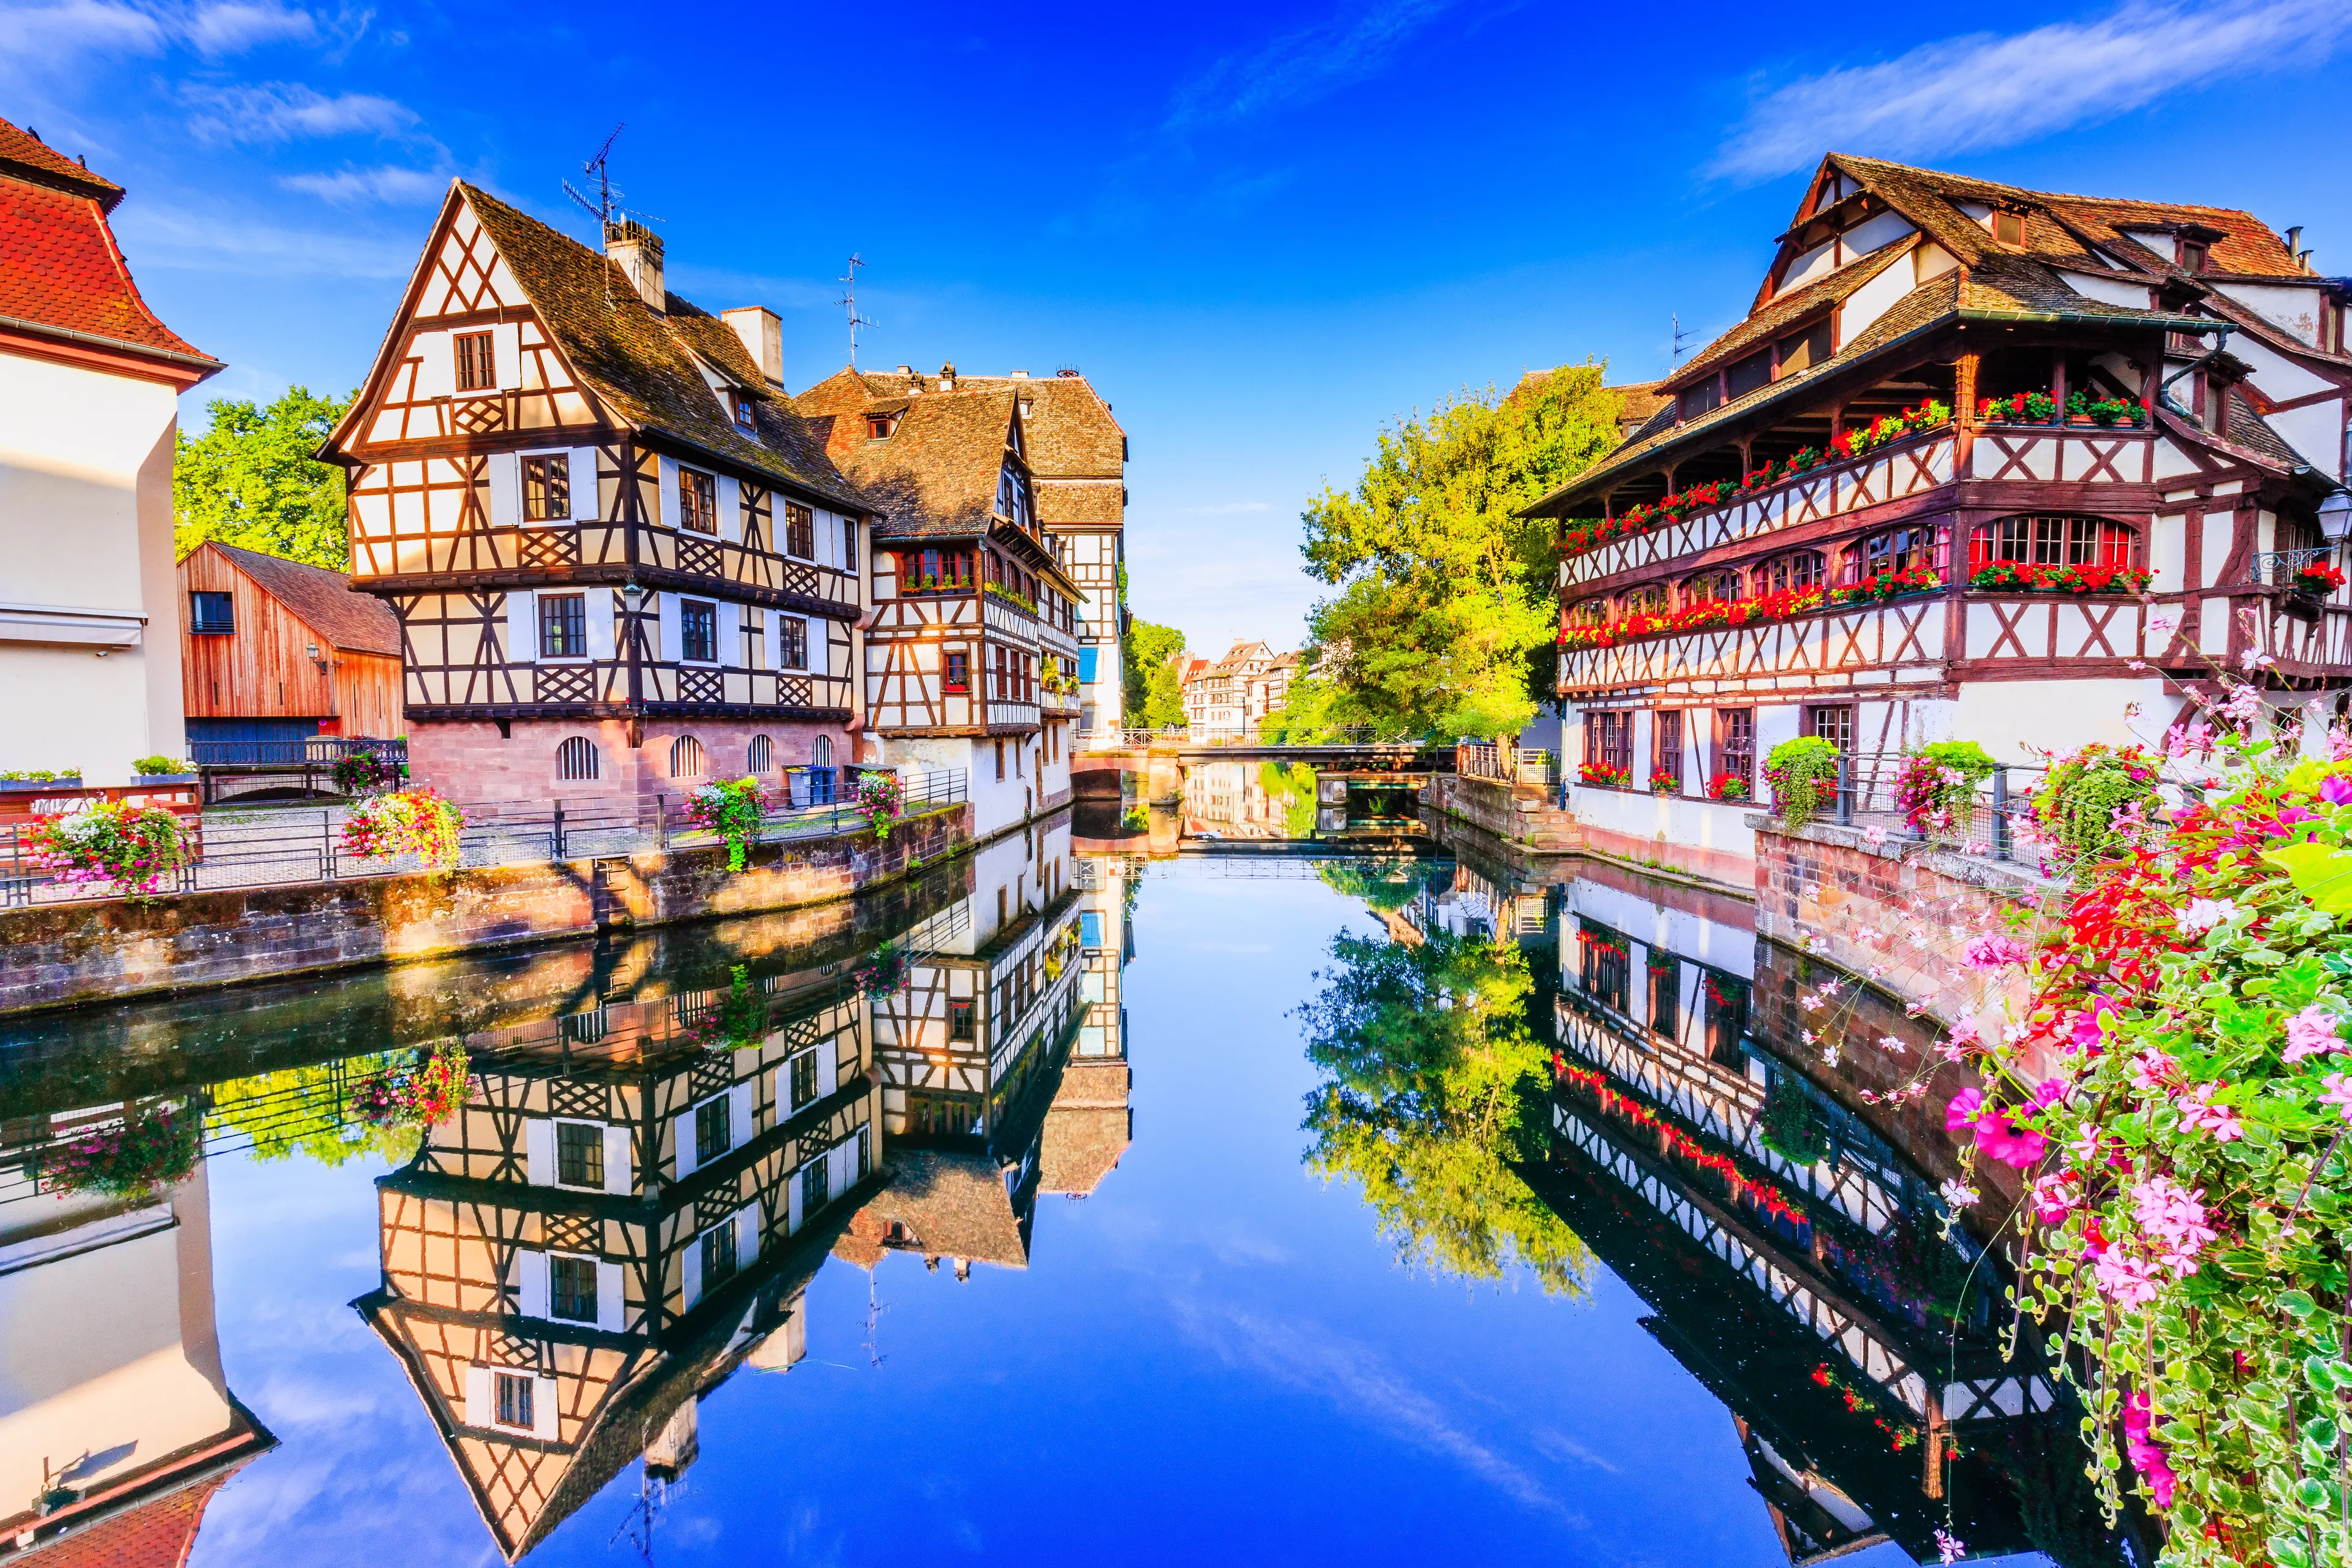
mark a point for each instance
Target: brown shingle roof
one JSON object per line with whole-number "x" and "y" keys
{"x": 642, "y": 366}
{"x": 1071, "y": 433}
{"x": 936, "y": 473}
{"x": 1087, "y": 1129}
{"x": 322, "y": 599}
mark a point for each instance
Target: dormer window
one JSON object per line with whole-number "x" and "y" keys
{"x": 879, "y": 426}
{"x": 2193, "y": 256}
{"x": 740, "y": 403}
{"x": 2009, "y": 229}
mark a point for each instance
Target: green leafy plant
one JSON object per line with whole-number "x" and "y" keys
{"x": 416, "y": 1095}
{"x": 129, "y": 1158}
{"x": 1789, "y": 1125}
{"x": 734, "y": 812}
{"x": 405, "y": 822}
{"x": 882, "y": 800}
{"x": 149, "y": 767}
{"x": 368, "y": 773}
{"x": 1936, "y": 786}
{"x": 41, "y": 775}
{"x": 1801, "y": 771}
{"x": 2092, "y": 801}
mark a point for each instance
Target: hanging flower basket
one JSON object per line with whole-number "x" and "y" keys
{"x": 136, "y": 848}
{"x": 361, "y": 773}
{"x": 417, "y": 1096}
{"x": 885, "y": 973}
{"x": 882, "y": 800}
{"x": 733, "y": 811}
{"x": 125, "y": 1160}
{"x": 405, "y": 822}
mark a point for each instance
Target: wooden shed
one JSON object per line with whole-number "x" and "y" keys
{"x": 274, "y": 649}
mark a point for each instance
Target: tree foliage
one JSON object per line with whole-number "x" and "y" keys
{"x": 1433, "y": 1092}
{"x": 250, "y": 481}
{"x": 1151, "y": 657}
{"x": 1445, "y": 591}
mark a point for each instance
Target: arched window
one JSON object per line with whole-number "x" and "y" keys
{"x": 1709, "y": 587}
{"x": 686, "y": 758}
{"x": 821, "y": 754}
{"x": 762, "y": 756}
{"x": 576, "y": 758}
{"x": 1644, "y": 601}
{"x": 1798, "y": 570}
{"x": 1892, "y": 551}
{"x": 1589, "y": 613}
{"x": 2053, "y": 541}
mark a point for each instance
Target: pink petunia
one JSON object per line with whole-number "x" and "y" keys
{"x": 1962, "y": 1112}
{"x": 2008, "y": 1143}
{"x": 2312, "y": 1032}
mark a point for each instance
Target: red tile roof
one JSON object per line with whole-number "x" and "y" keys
{"x": 59, "y": 267}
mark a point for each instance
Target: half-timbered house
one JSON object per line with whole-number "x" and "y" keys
{"x": 1914, "y": 495}
{"x": 619, "y": 563}
{"x": 623, "y": 1210}
{"x": 972, "y": 659}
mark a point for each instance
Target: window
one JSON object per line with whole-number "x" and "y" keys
{"x": 514, "y": 1402}
{"x": 580, "y": 1154}
{"x": 547, "y": 488}
{"x": 803, "y": 1079}
{"x": 698, "y": 500}
{"x": 1727, "y": 1015}
{"x": 741, "y": 402}
{"x": 1712, "y": 585}
{"x": 792, "y": 643}
{"x": 880, "y": 425}
{"x": 686, "y": 758}
{"x": 1831, "y": 721}
{"x": 1785, "y": 574}
{"x": 1894, "y": 551}
{"x": 576, "y": 758}
{"x": 2215, "y": 407}
{"x": 562, "y": 625}
{"x": 959, "y": 671}
{"x": 698, "y": 631}
{"x": 1647, "y": 600}
{"x": 572, "y": 1290}
{"x": 712, "y": 1135}
{"x": 800, "y": 530}
{"x": 1609, "y": 738}
{"x": 477, "y": 370}
{"x": 1602, "y": 965}
{"x": 2193, "y": 256}
{"x": 212, "y": 614}
{"x": 1746, "y": 374}
{"x": 849, "y": 543}
{"x": 1666, "y": 745}
{"x": 960, "y": 1023}
{"x": 814, "y": 1190}
{"x": 761, "y": 757}
{"x": 718, "y": 1255}
{"x": 1735, "y": 744}
{"x": 1589, "y": 613}
{"x": 1695, "y": 401}
{"x": 1802, "y": 351}
{"x": 821, "y": 752}
{"x": 1666, "y": 995}
{"x": 2009, "y": 229}
{"x": 2053, "y": 542}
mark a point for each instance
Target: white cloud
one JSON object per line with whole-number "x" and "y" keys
{"x": 158, "y": 235}
{"x": 1304, "y": 67}
{"x": 350, "y": 186}
{"x": 234, "y": 28}
{"x": 282, "y": 110}
{"x": 38, "y": 43}
{"x": 1991, "y": 90}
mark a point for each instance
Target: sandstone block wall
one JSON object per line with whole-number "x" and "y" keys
{"x": 61, "y": 955}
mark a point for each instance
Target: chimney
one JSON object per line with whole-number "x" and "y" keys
{"x": 947, "y": 376}
{"x": 639, "y": 251}
{"x": 762, "y": 332}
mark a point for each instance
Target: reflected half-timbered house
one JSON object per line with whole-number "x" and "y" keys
{"x": 972, "y": 659}
{"x": 621, "y": 566}
{"x": 1909, "y": 497}
{"x": 623, "y": 1210}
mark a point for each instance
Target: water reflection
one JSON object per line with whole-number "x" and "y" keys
{"x": 1570, "y": 1076}
{"x": 1266, "y": 801}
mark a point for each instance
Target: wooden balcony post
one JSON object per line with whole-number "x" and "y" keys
{"x": 1964, "y": 414}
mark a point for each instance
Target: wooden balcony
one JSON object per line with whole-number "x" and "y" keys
{"x": 2036, "y": 455}
{"x": 565, "y": 552}
{"x": 1004, "y": 715}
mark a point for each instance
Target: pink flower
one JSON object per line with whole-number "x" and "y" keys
{"x": 2339, "y": 1093}
{"x": 2202, "y": 915}
{"x": 2312, "y": 1032}
{"x": 2174, "y": 1220}
{"x": 2153, "y": 1072}
{"x": 2147, "y": 1457}
{"x": 1994, "y": 953}
{"x": 2198, "y": 1112}
{"x": 2010, "y": 1144}
{"x": 2337, "y": 790}
{"x": 2090, "y": 1027}
{"x": 1964, "y": 1032}
{"x": 1962, "y": 1112}
{"x": 2125, "y": 1280}
{"x": 2053, "y": 1196}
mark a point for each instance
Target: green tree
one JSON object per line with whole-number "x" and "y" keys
{"x": 250, "y": 481}
{"x": 1152, "y": 656}
{"x": 1310, "y": 712}
{"x": 1445, "y": 590}
{"x": 1434, "y": 1092}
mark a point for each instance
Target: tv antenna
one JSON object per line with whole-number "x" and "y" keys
{"x": 606, "y": 203}
{"x": 1680, "y": 332}
{"x": 848, "y": 301}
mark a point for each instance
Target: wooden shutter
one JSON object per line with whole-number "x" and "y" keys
{"x": 690, "y": 1270}
{"x": 619, "y": 1178}
{"x": 610, "y": 1281}
{"x": 531, "y": 1280}
{"x": 538, "y": 1151}
{"x": 739, "y": 1115}
{"x": 543, "y": 1408}
{"x": 747, "y": 1235}
{"x": 480, "y": 1402}
{"x": 684, "y": 1136}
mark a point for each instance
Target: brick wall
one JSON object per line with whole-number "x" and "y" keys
{"x": 469, "y": 760}
{"x": 66, "y": 953}
{"x": 1520, "y": 812}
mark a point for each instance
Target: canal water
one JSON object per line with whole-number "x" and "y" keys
{"x": 1254, "y": 1203}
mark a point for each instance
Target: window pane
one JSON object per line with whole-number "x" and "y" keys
{"x": 212, "y": 613}
{"x": 803, "y": 1079}
{"x": 546, "y": 488}
{"x": 718, "y": 1255}
{"x": 514, "y": 1401}
{"x": 698, "y": 631}
{"x": 572, "y": 1290}
{"x": 813, "y": 1191}
{"x": 710, "y": 1131}
{"x": 562, "y": 625}
{"x": 579, "y": 1154}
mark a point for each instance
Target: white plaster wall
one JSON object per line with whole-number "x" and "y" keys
{"x": 1684, "y": 934}
{"x": 2167, "y": 558}
{"x": 2288, "y": 305}
{"x": 1874, "y": 298}
{"x": 86, "y": 524}
{"x": 2279, "y": 378}
{"x": 1674, "y": 819}
{"x": 996, "y": 804}
{"x": 2016, "y": 721}
{"x": 2108, "y": 291}
{"x": 2316, "y": 431}
{"x": 1818, "y": 262}
{"x": 1869, "y": 237}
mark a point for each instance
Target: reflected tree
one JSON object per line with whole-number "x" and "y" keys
{"x": 1292, "y": 783}
{"x": 1386, "y": 884}
{"x": 311, "y": 1111}
{"x": 1434, "y": 1092}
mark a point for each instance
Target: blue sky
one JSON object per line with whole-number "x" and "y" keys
{"x": 1262, "y": 229}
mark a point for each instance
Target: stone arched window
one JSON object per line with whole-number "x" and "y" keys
{"x": 686, "y": 758}
{"x": 576, "y": 758}
{"x": 761, "y": 756}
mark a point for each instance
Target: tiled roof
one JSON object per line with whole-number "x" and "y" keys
{"x": 935, "y": 475}
{"x": 322, "y": 599}
{"x": 1087, "y": 1128}
{"x": 59, "y": 267}
{"x": 1075, "y": 502}
{"x": 952, "y": 1206}
{"x": 24, "y": 156}
{"x": 1071, "y": 433}
{"x": 642, "y": 365}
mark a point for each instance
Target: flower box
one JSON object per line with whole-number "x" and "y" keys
{"x": 36, "y": 787}
{"x": 1603, "y": 776}
{"x": 158, "y": 781}
{"x": 2023, "y": 577}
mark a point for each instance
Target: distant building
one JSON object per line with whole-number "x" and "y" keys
{"x": 89, "y": 387}
{"x": 1230, "y": 699}
{"x": 277, "y": 650}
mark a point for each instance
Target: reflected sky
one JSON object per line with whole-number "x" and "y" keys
{"x": 1212, "y": 1357}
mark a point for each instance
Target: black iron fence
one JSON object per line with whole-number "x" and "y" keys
{"x": 286, "y": 845}
{"x": 1985, "y": 822}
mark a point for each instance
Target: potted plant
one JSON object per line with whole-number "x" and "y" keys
{"x": 2315, "y": 579}
{"x": 135, "y": 848}
{"x": 1799, "y": 770}
{"x": 1728, "y": 786}
{"x": 163, "y": 769}
{"x": 1664, "y": 782}
{"x": 131, "y": 1158}
{"x": 1603, "y": 776}
{"x": 732, "y": 811}
{"x": 361, "y": 773}
{"x": 414, "y": 821}
{"x": 1935, "y": 787}
{"x": 32, "y": 781}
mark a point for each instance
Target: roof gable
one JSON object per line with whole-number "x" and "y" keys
{"x": 322, "y": 599}
{"x": 24, "y": 156}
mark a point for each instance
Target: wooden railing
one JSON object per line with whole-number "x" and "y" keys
{"x": 1504, "y": 764}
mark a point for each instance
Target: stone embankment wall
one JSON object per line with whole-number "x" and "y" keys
{"x": 61, "y": 955}
{"x": 1520, "y": 812}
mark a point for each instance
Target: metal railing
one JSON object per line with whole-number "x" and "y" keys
{"x": 1986, "y": 825}
{"x": 2277, "y": 568}
{"x": 1505, "y": 764}
{"x": 308, "y": 751}
{"x": 287, "y": 845}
